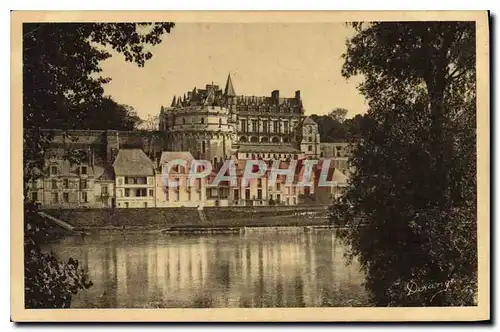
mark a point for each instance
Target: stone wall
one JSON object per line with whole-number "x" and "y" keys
{"x": 126, "y": 217}
{"x": 166, "y": 217}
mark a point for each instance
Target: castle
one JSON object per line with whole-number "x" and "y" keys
{"x": 125, "y": 169}
{"x": 215, "y": 124}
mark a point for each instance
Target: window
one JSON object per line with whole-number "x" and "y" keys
{"x": 84, "y": 197}
{"x": 145, "y": 204}
{"x": 84, "y": 170}
{"x": 259, "y": 193}
{"x": 247, "y": 193}
{"x": 203, "y": 147}
{"x": 177, "y": 195}
{"x": 55, "y": 198}
{"x": 34, "y": 196}
{"x": 65, "y": 197}
{"x": 285, "y": 125}
{"x": 66, "y": 183}
{"x": 104, "y": 190}
{"x": 220, "y": 122}
{"x": 127, "y": 192}
{"x": 259, "y": 183}
{"x": 275, "y": 126}
{"x": 83, "y": 184}
{"x": 53, "y": 170}
{"x": 119, "y": 193}
{"x": 120, "y": 181}
{"x": 126, "y": 204}
{"x": 264, "y": 126}
{"x": 310, "y": 148}
{"x": 277, "y": 186}
{"x": 141, "y": 192}
{"x": 151, "y": 192}
{"x": 202, "y": 120}
{"x": 183, "y": 121}
{"x": 254, "y": 126}
{"x": 236, "y": 194}
{"x": 243, "y": 126}
{"x": 54, "y": 184}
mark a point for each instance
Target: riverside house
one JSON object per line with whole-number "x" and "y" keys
{"x": 182, "y": 194}
{"x": 64, "y": 185}
{"x": 134, "y": 179}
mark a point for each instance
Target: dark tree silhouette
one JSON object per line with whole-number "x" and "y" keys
{"x": 62, "y": 89}
{"x": 414, "y": 186}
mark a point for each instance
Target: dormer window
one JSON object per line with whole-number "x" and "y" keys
{"x": 53, "y": 170}
{"x": 83, "y": 170}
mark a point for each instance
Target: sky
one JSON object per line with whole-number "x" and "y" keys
{"x": 261, "y": 57}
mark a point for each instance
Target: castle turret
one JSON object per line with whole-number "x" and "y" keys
{"x": 229, "y": 90}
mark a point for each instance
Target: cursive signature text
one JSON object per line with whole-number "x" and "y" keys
{"x": 437, "y": 287}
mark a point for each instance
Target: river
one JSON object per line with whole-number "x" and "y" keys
{"x": 257, "y": 269}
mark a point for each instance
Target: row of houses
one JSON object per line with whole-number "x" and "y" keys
{"x": 133, "y": 180}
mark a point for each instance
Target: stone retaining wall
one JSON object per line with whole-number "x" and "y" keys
{"x": 165, "y": 217}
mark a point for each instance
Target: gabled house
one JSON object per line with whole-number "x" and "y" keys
{"x": 134, "y": 179}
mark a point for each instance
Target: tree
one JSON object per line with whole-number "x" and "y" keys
{"x": 338, "y": 114}
{"x": 330, "y": 129}
{"x": 61, "y": 86}
{"x": 110, "y": 115}
{"x": 414, "y": 186}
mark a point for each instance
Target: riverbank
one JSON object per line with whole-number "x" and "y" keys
{"x": 189, "y": 220}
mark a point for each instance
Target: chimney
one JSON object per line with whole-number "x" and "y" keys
{"x": 275, "y": 94}
{"x": 297, "y": 94}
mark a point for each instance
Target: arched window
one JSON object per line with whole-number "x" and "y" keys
{"x": 254, "y": 139}
{"x": 264, "y": 139}
{"x": 202, "y": 120}
{"x": 275, "y": 140}
{"x": 243, "y": 139}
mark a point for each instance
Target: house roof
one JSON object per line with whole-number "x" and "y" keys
{"x": 133, "y": 162}
{"x": 167, "y": 156}
{"x": 310, "y": 121}
{"x": 104, "y": 173}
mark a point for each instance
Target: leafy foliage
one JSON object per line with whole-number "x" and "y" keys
{"x": 335, "y": 128}
{"x": 409, "y": 213}
{"x": 62, "y": 89}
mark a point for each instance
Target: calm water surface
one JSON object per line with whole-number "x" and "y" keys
{"x": 262, "y": 269}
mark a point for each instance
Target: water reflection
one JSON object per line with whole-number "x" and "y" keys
{"x": 253, "y": 270}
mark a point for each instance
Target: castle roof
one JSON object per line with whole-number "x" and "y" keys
{"x": 133, "y": 162}
{"x": 229, "y": 90}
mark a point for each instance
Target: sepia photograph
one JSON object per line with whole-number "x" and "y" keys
{"x": 287, "y": 167}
